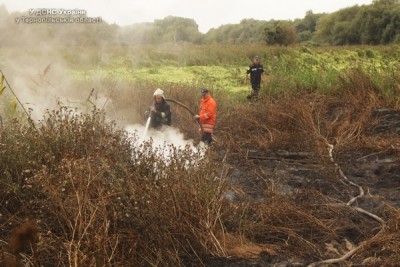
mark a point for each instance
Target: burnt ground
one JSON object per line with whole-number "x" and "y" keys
{"x": 256, "y": 173}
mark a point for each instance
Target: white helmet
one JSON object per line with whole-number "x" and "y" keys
{"x": 159, "y": 92}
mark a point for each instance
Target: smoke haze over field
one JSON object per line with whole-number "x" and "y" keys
{"x": 163, "y": 138}
{"x": 41, "y": 79}
{"x": 41, "y": 82}
{"x": 208, "y": 14}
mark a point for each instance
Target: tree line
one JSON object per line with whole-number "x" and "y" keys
{"x": 378, "y": 23}
{"x": 374, "y": 24}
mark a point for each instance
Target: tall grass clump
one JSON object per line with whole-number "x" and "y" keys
{"x": 303, "y": 218}
{"x": 101, "y": 199}
{"x": 303, "y": 120}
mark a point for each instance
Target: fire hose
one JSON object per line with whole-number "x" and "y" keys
{"x": 188, "y": 109}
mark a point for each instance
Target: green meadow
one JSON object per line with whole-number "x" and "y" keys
{"x": 223, "y": 67}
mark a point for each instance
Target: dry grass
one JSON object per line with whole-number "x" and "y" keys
{"x": 384, "y": 250}
{"x": 304, "y": 121}
{"x": 100, "y": 201}
{"x": 310, "y": 224}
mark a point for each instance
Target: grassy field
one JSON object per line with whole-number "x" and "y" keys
{"x": 223, "y": 68}
{"x": 220, "y": 68}
{"x": 78, "y": 190}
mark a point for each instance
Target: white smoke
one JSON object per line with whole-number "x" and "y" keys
{"x": 162, "y": 139}
{"x": 41, "y": 84}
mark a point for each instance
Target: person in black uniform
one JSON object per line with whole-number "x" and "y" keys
{"x": 160, "y": 112}
{"x": 255, "y": 70}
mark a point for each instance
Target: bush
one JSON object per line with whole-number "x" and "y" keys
{"x": 100, "y": 199}
{"x": 369, "y": 53}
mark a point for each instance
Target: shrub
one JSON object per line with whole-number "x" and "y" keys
{"x": 99, "y": 199}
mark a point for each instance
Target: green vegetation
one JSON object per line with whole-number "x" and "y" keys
{"x": 223, "y": 68}
{"x": 268, "y": 188}
{"x": 374, "y": 24}
{"x": 99, "y": 198}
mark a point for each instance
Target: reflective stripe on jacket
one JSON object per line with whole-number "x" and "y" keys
{"x": 208, "y": 113}
{"x": 208, "y": 128}
{"x": 255, "y": 71}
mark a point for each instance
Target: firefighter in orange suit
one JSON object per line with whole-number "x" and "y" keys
{"x": 207, "y": 115}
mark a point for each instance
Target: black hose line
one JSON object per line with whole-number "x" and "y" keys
{"x": 188, "y": 109}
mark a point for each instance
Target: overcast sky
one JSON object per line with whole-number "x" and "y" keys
{"x": 207, "y": 13}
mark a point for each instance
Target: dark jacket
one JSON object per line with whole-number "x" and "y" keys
{"x": 162, "y": 115}
{"x": 255, "y": 72}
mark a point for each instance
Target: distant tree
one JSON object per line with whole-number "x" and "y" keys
{"x": 168, "y": 30}
{"x": 304, "y": 36}
{"x": 374, "y": 24}
{"x": 177, "y": 29}
{"x": 308, "y": 23}
{"x": 247, "y": 31}
{"x": 324, "y": 28}
{"x": 282, "y": 34}
{"x": 381, "y": 23}
{"x": 306, "y": 26}
{"x": 385, "y": 2}
{"x": 377, "y": 23}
